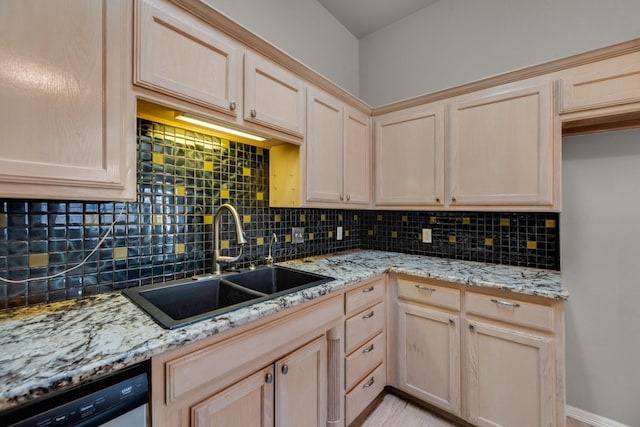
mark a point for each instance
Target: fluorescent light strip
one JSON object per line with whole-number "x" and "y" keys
{"x": 201, "y": 122}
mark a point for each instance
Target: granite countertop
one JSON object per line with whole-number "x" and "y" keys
{"x": 48, "y": 347}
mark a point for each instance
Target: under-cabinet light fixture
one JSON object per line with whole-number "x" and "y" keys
{"x": 202, "y": 122}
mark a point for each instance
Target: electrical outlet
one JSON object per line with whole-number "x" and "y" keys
{"x": 297, "y": 235}
{"x": 339, "y": 234}
{"x": 426, "y": 235}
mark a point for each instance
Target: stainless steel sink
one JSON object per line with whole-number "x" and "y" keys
{"x": 179, "y": 303}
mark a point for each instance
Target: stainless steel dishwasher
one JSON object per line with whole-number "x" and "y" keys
{"x": 119, "y": 400}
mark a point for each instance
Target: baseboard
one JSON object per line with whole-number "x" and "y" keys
{"x": 591, "y": 419}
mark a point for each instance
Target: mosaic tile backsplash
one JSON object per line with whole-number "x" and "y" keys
{"x": 167, "y": 233}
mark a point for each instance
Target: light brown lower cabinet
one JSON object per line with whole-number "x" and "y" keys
{"x": 271, "y": 373}
{"x": 249, "y": 402}
{"x": 365, "y": 346}
{"x": 429, "y": 355}
{"x": 489, "y": 358}
{"x": 290, "y": 392}
{"x": 509, "y": 377}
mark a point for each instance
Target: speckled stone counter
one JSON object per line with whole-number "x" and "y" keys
{"x": 48, "y": 347}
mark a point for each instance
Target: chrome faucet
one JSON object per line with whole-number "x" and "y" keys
{"x": 269, "y": 259}
{"x": 242, "y": 240}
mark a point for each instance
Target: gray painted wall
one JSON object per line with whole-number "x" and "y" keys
{"x": 600, "y": 251}
{"x": 458, "y": 41}
{"x": 305, "y": 30}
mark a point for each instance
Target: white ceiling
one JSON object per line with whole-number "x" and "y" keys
{"x": 363, "y": 17}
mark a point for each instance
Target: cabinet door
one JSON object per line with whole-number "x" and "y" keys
{"x": 612, "y": 82}
{"x": 301, "y": 386}
{"x": 179, "y": 55}
{"x": 324, "y": 148}
{"x": 357, "y": 157}
{"x": 273, "y": 96}
{"x": 409, "y": 157}
{"x": 67, "y": 112}
{"x": 429, "y": 355}
{"x": 509, "y": 377}
{"x": 501, "y": 149}
{"x": 248, "y": 402}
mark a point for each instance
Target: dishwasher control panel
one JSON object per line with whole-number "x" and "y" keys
{"x": 85, "y": 406}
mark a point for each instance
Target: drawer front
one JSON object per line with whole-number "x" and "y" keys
{"x": 364, "y": 326}
{"x": 429, "y": 293}
{"x": 363, "y": 360}
{"x": 512, "y": 311}
{"x": 364, "y": 393}
{"x": 364, "y": 296}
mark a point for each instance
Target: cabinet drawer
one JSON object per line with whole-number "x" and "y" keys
{"x": 364, "y": 326}
{"x": 364, "y": 393}
{"x": 429, "y": 293}
{"x": 513, "y": 311}
{"x": 615, "y": 81}
{"x": 363, "y": 360}
{"x": 363, "y": 296}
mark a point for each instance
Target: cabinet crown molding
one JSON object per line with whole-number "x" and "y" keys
{"x": 514, "y": 76}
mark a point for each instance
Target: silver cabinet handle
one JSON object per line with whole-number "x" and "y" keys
{"x": 504, "y": 304}
{"x": 368, "y": 349}
{"x": 369, "y": 383}
{"x": 348, "y": 197}
{"x": 341, "y": 197}
{"x": 367, "y": 316}
{"x": 472, "y": 328}
{"x": 253, "y": 112}
{"x": 425, "y": 288}
{"x": 453, "y": 200}
{"x": 269, "y": 378}
{"x": 437, "y": 199}
{"x": 369, "y": 289}
{"x": 232, "y": 106}
{"x": 452, "y": 322}
{"x": 285, "y": 369}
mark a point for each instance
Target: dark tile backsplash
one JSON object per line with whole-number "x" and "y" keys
{"x": 167, "y": 233}
{"x": 522, "y": 239}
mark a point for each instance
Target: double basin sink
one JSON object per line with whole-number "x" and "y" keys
{"x": 179, "y": 303}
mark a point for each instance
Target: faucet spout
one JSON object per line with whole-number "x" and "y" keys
{"x": 241, "y": 238}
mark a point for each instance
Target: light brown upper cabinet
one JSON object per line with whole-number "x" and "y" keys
{"x": 614, "y": 82}
{"x": 273, "y": 97}
{"x": 501, "y": 148}
{"x": 409, "y": 157}
{"x": 67, "y": 109}
{"x": 337, "y": 152}
{"x": 181, "y": 56}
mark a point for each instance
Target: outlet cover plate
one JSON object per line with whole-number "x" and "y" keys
{"x": 297, "y": 235}
{"x": 426, "y": 235}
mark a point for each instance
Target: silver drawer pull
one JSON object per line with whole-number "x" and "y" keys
{"x": 368, "y": 349}
{"x": 425, "y": 288}
{"x": 369, "y": 383}
{"x": 367, "y": 316}
{"x": 505, "y": 304}
{"x": 369, "y": 289}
